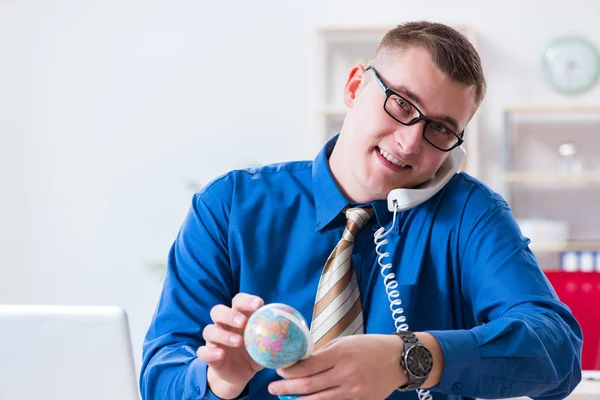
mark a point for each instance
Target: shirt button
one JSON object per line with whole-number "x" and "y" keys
{"x": 457, "y": 387}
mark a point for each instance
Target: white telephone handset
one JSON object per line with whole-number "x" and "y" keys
{"x": 401, "y": 200}
{"x": 409, "y": 198}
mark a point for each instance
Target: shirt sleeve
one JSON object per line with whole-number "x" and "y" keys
{"x": 526, "y": 342}
{"x": 198, "y": 278}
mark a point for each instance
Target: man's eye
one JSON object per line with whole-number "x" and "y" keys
{"x": 438, "y": 127}
{"x": 403, "y": 104}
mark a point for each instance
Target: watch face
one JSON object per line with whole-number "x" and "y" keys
{"x": 418, "y": 361}
{"x": 571, "y": 65}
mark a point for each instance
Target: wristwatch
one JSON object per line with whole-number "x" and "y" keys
{"x": 416, "y": 361}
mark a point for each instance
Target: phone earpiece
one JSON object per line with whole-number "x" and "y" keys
{"x": 404, "y": 199}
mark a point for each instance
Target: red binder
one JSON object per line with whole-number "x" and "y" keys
{"x": 580, "y": 291}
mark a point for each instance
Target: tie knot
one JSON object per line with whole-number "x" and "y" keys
{"x": 356, "y": 220}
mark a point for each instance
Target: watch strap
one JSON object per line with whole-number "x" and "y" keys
{"x": 410, "y": 340}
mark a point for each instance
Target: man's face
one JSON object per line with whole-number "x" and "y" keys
{"x": 357, "y": 162}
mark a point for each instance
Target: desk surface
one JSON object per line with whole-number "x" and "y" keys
{"x": 587, "y": 387}
{"x": 590, "y": 384}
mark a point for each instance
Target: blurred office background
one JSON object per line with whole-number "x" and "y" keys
{"x": 113, "y": 112}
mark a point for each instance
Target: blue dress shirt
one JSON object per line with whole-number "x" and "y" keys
{"x": 465, "y": 274}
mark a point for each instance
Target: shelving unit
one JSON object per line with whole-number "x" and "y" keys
{"x": 532, "y": 177}
{"x": 339, "y": 48}
{"x": 552, "y": 176}
{"x": 551, "y": 181}
{"x": 574, "y": 246}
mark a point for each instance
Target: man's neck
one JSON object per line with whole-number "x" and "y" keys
{"x": 341, "y": 176}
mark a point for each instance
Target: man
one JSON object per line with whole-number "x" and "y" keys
{"x": 486, "y": 321}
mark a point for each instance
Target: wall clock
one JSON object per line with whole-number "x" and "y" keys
{"x": 571, "y": 64}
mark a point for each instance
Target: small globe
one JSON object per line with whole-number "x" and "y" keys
{"x": 277, "y": 336}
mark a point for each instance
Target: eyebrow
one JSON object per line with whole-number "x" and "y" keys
{"x": 412, "y": 96}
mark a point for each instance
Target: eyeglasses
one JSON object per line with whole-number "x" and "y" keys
{"x": 435, "y": 133}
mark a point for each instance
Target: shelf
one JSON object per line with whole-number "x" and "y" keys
{"x": 515, "y": 176}
{"x": 569, "y": 246}
{"x": 362, "y": 29}
{"x": 553, "y": 110}
{"x": 353, "y": 29}
{"x": 552, "y": 115}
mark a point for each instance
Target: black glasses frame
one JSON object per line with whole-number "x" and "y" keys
{"x": 389, "y": 92}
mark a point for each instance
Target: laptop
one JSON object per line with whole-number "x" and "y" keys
{"x": 66, "y": 353}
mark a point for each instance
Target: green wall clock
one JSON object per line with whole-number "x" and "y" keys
{"x": 571, "y": 64}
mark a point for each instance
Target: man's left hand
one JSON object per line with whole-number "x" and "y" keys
{"x": 351, "y": 367}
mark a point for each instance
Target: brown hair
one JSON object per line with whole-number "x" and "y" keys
{"x": 451, "y": 51}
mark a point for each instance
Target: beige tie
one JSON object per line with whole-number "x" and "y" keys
{"x": 337, "y": 309}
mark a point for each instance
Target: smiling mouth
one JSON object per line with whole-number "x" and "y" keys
{"x": 389, "y": 158}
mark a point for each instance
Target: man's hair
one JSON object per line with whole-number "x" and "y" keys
{"x": 450, "y": 50}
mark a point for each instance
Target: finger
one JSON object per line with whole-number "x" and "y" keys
{"x": 225, "y": 316}
{"x": 245, "y": 302}
{"x": 210, "y": 355}
{"x": 213, "y": 334}
{"x": 303, "y": 386}
{"x": 333, "y": 393}
{"x": 316, "y": 364}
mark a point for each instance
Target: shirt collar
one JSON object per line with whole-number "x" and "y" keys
{"x": 329, "y": 200}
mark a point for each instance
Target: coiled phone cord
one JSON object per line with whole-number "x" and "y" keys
{"x": 391, "y": 287}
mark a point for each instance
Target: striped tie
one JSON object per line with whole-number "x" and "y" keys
{"x": 337, "y": 309}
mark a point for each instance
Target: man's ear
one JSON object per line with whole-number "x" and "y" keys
{"x": 356, "y": 80}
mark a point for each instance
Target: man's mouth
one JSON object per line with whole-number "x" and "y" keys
{"x": 392, "y": 160}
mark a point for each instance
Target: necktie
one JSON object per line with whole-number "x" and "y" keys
{"x": 337, "y": 310}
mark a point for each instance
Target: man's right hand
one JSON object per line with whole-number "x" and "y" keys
{"x": 230, "y": 367}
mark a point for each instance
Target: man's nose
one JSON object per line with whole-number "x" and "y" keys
{"x": 410, "y": 138}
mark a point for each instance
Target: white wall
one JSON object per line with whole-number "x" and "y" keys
{"x": 12, "y": 150}
{"x": 108, "y": 109}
